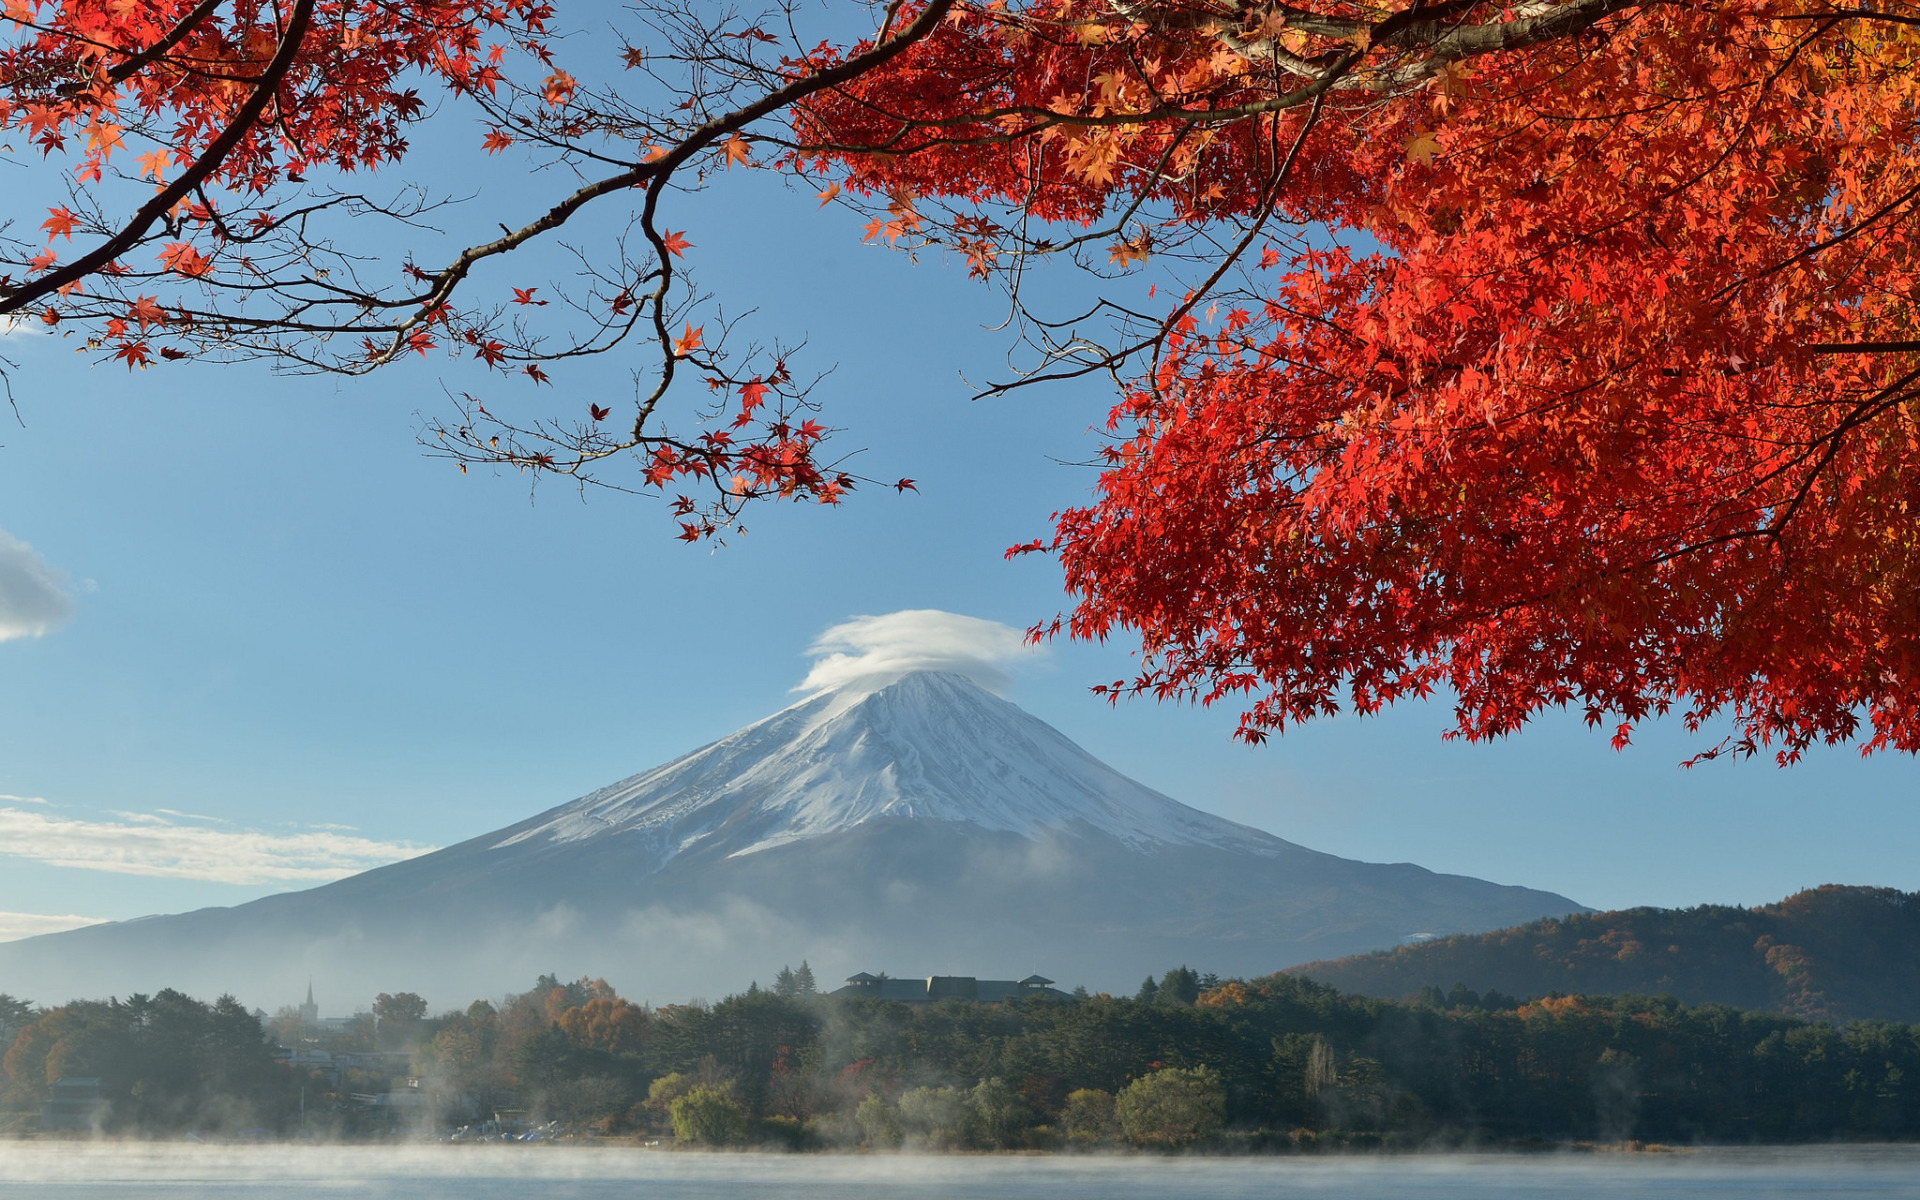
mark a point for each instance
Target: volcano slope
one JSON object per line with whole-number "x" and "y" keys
{"x": 918, "y": 825}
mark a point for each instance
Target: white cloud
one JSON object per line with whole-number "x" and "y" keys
{"x": 14, "y": 926}
{"x": 143, "y": 844}
{"x": 4, "y": 797}
{"x": 916, "y": 639}
{"x": 32, "y": 600}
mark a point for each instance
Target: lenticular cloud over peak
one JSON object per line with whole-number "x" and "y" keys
{"x": 871, "y": 651}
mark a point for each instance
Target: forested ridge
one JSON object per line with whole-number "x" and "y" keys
{"x": 1277, "y": 1063}
{"x": 1828, "y": 953}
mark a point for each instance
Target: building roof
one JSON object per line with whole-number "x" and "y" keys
{"x": 948, "y": 987}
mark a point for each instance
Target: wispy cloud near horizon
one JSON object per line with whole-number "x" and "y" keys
{"x": 917, "y": 639}
{"x": 33, "y": 597}
{"x": 151, "y": 845}
{"x": 17, "y": 925}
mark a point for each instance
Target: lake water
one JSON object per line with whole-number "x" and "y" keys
{"x": 31, "y": 1171}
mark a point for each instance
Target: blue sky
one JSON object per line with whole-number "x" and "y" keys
{"x": 293, "y": 644}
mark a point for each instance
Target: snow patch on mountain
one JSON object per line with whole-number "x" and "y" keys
{"x": 930, "y": 745}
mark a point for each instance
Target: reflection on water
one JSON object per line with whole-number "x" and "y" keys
{"x": 29, "y": 1171}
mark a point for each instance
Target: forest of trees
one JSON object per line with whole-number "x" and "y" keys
{"x": 1276, "y": 1063}
{"x": 1830, "y": 953}
{"x": 166, "y": 1062}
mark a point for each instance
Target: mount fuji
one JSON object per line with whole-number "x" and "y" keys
{"x": 917, "y": 825}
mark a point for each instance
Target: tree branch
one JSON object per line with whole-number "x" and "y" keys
{"x": 202, "y": 167}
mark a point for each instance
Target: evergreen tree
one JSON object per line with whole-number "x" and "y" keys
{"x": 1178, "y": 986}
{"x": 1148, "y": 990}
{"x": 784, "y": 984}
{"x": 803, "y": 979}
{"x": 15, "y": 1015}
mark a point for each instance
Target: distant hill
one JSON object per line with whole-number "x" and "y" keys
{"x": 1830, "y": 953}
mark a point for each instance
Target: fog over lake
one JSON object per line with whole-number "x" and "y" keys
{"x": 79, "y": 1172}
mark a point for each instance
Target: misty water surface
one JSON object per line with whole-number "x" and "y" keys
{"x": 82, "y": 1172}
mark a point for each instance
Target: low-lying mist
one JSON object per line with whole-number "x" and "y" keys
{"x": 84, "y": 1171}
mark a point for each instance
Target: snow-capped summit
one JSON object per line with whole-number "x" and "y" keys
{"x": 928, "y": 745}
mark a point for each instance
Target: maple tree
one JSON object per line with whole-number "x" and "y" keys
{"x": 1548, "y": 353}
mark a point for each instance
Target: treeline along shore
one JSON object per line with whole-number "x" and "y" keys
{"x": 1278, "y": 1063}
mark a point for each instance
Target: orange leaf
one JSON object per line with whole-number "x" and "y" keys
{"x": 558, "y": 87}
{"x": 183, "y": 259}
{"x": 60, "y": 224}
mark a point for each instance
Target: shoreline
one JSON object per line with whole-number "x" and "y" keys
{"x": 666, "y": 1148}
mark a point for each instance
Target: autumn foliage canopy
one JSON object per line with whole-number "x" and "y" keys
{"x": 1538, "y": 354}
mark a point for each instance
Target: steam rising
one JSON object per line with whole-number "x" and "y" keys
{"x": 873, "y": 651}
{"x": 485, "y": 1173}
